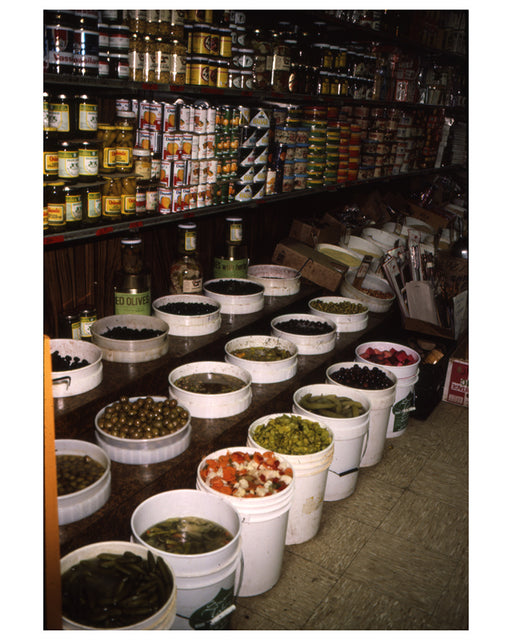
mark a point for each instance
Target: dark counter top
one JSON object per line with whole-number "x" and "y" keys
{"x": 131, "y": 484}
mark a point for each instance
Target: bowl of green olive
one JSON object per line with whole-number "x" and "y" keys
{"x": 83, "y": 479}
{"x": 143, "y": 429}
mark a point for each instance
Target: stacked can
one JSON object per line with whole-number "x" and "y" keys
{"x": 226, "y": 146}
{"x": 253, "y": 154}
{"x": 315, "y": 121}
{"x": 332, "y": 147}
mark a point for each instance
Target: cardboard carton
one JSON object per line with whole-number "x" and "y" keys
{"x": 312, "y": 232}
{"x": 456, "y": 386}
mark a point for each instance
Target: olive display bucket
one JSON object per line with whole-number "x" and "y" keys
{"x": 206, "y": 582}
{"x": 162, "y": 619}
{"x": 310, "y": 473}
{"x": 381, "y": 401}
{"x": 407, "y": 376}
{"x": 350, "y": 440}
{"x": 263, "y": 530}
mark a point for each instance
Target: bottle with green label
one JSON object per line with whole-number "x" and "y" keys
{"x": 231, "y": 259}
{"x": 132, "y": 285}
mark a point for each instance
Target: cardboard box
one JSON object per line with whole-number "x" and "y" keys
{"x": 313, "y": 265}
{"x": 312, "y": 232}
{"x": 456, "y": 386}
{"x": 435, "y": 220}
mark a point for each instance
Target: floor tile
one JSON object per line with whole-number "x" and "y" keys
{"x": 399, "y": 465}
{"x": 443, "y": 481}
{"x": 432, "y": 524}
{"x": 403, "y": 570}
{"x": 245, "y": 618}
{"x": 353, "y": 605}
{"x": 451, "y": 611}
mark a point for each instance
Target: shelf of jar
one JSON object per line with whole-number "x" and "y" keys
{"x": 138, "y": 221}
{"x": 114, "y": 86}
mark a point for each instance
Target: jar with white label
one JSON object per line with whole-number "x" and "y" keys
{"x": 186, "y": 273}
{"x": 88, "y": 161}
{"x": 73, "y": 202}
{"x": 68, "y": 161}
{"x": 142, "y": 163}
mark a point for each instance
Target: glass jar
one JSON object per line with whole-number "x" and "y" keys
{"x": 137, "y": 20}
{"x": 68, "y": 161}
{"x": 88, "y": 160}
{"x": 73, "y": 201}
{"x": 124, "y": 148}
{"x": 152, "y": 197}
{"x": 107, "y": 141}
{"x": 50, "y": 154}
{"x": 148, "y": 59}
{"x": 186, "y": 274}
{"x": 140, "y": 196}
{"x": 91, "y": 203}
{"x": 176, "y": 25}
{"x": 279, "y": 65}
{"x": 177, "y": 62}
{"x": 59, "y": 114}
{"x": 142, "y": 163}
{"x": 69, "y": 325}
{"x": 87, "y": 317}
{"x": 56, "y": 205}
{"x": 58, "y": 50}
{"x": 119, "y": 66}
{"x": 128, "y": 195}
{"x": 136, "y": 57}
{"x": 222, "y": 74}
{"x": 85, "y": 115}
{"x": 162, "y": 54}
{"x": 111, "y": 198}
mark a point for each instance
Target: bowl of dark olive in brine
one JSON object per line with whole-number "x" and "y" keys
{"x": 211, "y": 389}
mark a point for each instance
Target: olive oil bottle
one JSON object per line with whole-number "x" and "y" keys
{"x": 231, "y": 260}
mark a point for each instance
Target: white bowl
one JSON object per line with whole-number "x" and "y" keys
{"x": 405, "y": 371}
{"x": 76, "y": 381}
{"x": 145, "y": 450}
{"x": 344, "y": 322}
{"x": 371, "y": 281}
{"x": 264, "y": 372}
{"x": 189, "y": 325}
{"x": 275, "y": 279}
{"x": 343, "y": 255}
{"x": 236, "y": 304}
{"x": 80, "y": 504}
{"x": 306, "y": 344}
{"x": 215, "y": 405}
{"x": 383, "y": 239}
{"x": 364, "y": 247}
{"x": 115, "y": 350}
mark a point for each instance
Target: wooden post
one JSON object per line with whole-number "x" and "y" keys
{"x": 52, "y": 581}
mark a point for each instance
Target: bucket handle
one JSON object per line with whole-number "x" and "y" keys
{"x": 346, "y": 473}
{"x": 63, "y": 380}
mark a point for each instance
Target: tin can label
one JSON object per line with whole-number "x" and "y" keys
{"x": 165, "y": 201}
{"x": 194, "y": 172}
{"x": 165, "y": 173}
{"x": 56, "y": 213}
{"x": 155, "y": 116}
{"x": 171, "y": 146}
{"x": 151, "y": 200}
{"x": 50, "y": 163}
{"x": 111, "y": 206}
{"x": 128, "y": 204}
{"x": 193, "y": 197}
{"x": 211, "y": 169}
{"x": 201, "y": 193}
{"x": 186, "y": 147}
{"x": 246, "y": 175}
{"x": 169, "y": 117}
{"x": 200, "y": 115}
{"x": 186, "y": 118}
{"x": 144, "y": 114}
{"x": 88, "y": 118}
{"x": 185, "y": 198}
{"x": 260, "y": 118}
{"x": 243, "y": 192}
{"x": 176, "y": 200}
{"x": 260, "y": 175}
{"x": 179, "y": 174}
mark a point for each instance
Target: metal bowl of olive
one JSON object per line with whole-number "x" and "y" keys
{"x": 143, "y": 429}
{"x": 267, "y": 358}
{"x": 83, "y": 479}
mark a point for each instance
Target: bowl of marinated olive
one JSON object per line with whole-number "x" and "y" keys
{"x": 348, "y": 314}
{"x": 267, "y": 358}
{"x": 210, "y": 389}
{"x": 117, "y": 585}
{"x": 83, "y": 479}
{"x": 375, "y": 292}
{"x": 236, "y": 296}
{"x": 188, "y": 314}
{"x": 143, "y": 429}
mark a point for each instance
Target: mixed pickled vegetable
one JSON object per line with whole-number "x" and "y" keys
{"x": 292, "y": 435}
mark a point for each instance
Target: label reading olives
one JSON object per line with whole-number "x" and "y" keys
{"x": 56, "y": 213}
{"x": 132, "y": 303}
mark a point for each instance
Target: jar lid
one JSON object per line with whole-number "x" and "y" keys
{"x": 131, "y": 241}
{"x": 139, "y": 151}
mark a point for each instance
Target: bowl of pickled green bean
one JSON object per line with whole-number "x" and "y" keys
{"x": 117, "y": 585}
{"x": 348, "y": 314}
{"x": 83, "y": 479}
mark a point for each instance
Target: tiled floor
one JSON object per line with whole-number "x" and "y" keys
{"x": 394, "y": 555}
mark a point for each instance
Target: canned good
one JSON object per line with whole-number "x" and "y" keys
{"x": 243, "y": 192}
{"x": 245, "y": 175}
{"x": 260, "y": 117}
{"x": 199, "y": 71}
{"x": 165, "y": 201}
{"x": 260, "y": 174}
{"x": 194, "y": 172}
{"x": 185, "y": 153}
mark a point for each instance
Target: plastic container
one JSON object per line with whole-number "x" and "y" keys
{"x": 377, "y": 305}
{"x": 144, "y": 450}
{"x": 310, "y": 480}
{"x": 384, "y": 239}
{"x": 350, "y": 258}
{"x": 350, "y": 439}
{"x": 381, "y": 401}
{"x": 276, "y": 280}
{"x": 80, "y": 504}
{"x": 76, "y": 381}
{"x": 236, "y": 304}
{"x": 162, "y": 619}
{"x": 364, "y": 246}
{"x": 189, "y": 325}
{"x": 217, "y": 405}
{"x": 207, "y": 583}
{"x": 407, "y": 376}
{"x": 115, "y": 350}
{"x": 345, "y": 322}
{"x": 263, "y": 531}
{"x": 264, "y": 372}
{"x": 306, "y": 344}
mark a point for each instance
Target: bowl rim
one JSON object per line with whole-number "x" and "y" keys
{"x": 243, "y": 374}
{"x": 93, "y": 486}
{"x": 288, "y": 344}
{"x": 342, "y": 299}
{"x": 191, "y": 298}
{"x": 233, "y": 295}
{"x": 303, "y": 316}
{"x": 117, "y": 341}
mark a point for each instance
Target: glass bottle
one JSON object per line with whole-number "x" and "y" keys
{"x": 162, "y": 60}
{"x": 186, "y": 274}
{"x": 124, "y": 146}
{"x": 279, "y": 64}
{"x": 148, "y": 59}
{"x": 50, "y": 154}
{"x": 177, "y": 62}
{"x": 231, "y": 260}
{"x": 260, "y": 42}
{"x": 132, "y": 284}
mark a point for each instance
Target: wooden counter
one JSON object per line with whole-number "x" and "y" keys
{"x": 131, "y": 484}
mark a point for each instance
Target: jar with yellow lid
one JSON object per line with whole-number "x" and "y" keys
{"x": 56, "y": 205}
{"x": 124, "y": 148}
{"x": 162, "y": 55}
{"x": 107, "y": 135}
{"x": 111, "y": 198}
{"x": 177, "y": 62}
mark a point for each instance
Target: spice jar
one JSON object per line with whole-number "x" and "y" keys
{"x": 111, "y": 198}
{"x": 177, "y": 62}
{"x": 107, "y": 140}
{"x": 124, "y": 148}
{"x": 67, "y": 161}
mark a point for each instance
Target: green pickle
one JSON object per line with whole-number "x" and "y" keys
{"x": 332, "y": 406}
{"x": 292, "y": 435}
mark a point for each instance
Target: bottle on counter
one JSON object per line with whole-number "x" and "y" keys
{"x": 231, "y": 260}
{"x": 88, "y": 316}
{"x": 186, "y": 274}
{"x": 132, "y": 284}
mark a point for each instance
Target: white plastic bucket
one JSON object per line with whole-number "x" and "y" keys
{"x": 310, "y": 473}
{"x": 206, "y": 582}
{"x": 407, "y": 376}
{"x": 381, "y": 401}
{"x": 162, "y": 619}
{"x": 263, "y": 529}
{"x": 350, "y": 438}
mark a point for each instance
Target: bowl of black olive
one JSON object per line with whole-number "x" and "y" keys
{"x": 76, "y": 366}
{"x": 188, "y": 314}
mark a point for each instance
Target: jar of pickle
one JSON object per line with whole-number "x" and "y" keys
{"x": 56, "y": 205}
{"x": 107, "y": 142}
{"x": 176, "y": 24}
{"x": 177, "y": 62}
{"x": 128, "y": 195}
{"x": 136, "y": 57}
{"x": 151, "y": 22}
{"x": 148, "y": 59}
{"x": 162, "y": 53}
{"x": 137, "y": 20}
{"x": 88, "y": 160}
{"x": 67, "y": 156}
{"x": 124, "y": 148}
{"x": 50, "y": 154}
{"x": 91, "y": 203}
{"x": 152, "y": 197}
{"x": 141, "y": 189}
{"x": 111, "y": 198}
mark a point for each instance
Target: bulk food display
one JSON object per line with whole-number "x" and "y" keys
{"x": 221, "y": 416}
